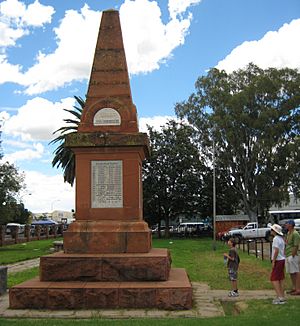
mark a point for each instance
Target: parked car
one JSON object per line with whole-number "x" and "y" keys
{"x": 250, "y": 231}
{"x": 10, "y": 227}
{"x": 163, "y": 230}
{"x": 221, "y": 234}
{"x": 190, "y": 228}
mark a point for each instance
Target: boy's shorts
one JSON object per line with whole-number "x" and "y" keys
{"x": 233, "y": 275}
{"x": 277, "y": 273}
{"x": 292, "y": 264}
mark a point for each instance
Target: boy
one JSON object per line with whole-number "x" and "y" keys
{"x": 233, "y": 261}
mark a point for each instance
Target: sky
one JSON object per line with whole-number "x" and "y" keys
{"x": 46, "y": 53}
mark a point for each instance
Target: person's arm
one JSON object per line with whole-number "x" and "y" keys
{"x": 276, "y": 251}
{"x": 294, "y": 251}
{"x": 295, "y": 245}
{"x": 229, "y": 257}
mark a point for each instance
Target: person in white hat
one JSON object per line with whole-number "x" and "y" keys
{"x": 278, "y": 261}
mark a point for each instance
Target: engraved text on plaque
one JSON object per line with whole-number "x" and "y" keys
{"x": 107, "y": 117}
{"x": 107, "y": 184}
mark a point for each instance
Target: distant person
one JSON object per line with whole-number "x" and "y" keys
{"x": 233, "y": 261}
{"x": 278, "y": 261}
{"x": 292, "y": 258}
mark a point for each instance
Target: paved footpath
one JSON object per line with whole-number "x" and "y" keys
{"x": 207, "y": 303}
{"x": 21, "y": 266}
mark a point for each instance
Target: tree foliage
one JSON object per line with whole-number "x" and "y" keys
{"x": 172, "y": 175}
{"x": 64, "y": 157}
{"x": 11, "y": 182}
{"x": 253, "y": 117}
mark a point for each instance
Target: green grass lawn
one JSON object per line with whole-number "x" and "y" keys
{"x": 24, "y": 251}
{"x": 258, "y": 313}
{"x": 202, "y": 263}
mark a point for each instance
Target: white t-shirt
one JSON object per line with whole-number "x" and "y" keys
{"x": 278, "y": 242}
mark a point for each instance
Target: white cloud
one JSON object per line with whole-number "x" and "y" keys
{"x": 177, "y": 7}
{"x": 16, "y": 18}
{"x": 15, "y": 143}
{"x": 156, "y": 122}
{"x": 12, "y": 9}
{"x": 9, "y": 72}
{"x": 4, "y": 116}
{"x": 26, "y": 154}
{"x": 46, "y": 190}
{"x": 72, "y": 58}
{"x": 37, "y": 14}
{"x": 8, "y": 35}
{"x": 148, "y": 43}
{"x": 38, "y": 119}
{"x": 277, "y": 49}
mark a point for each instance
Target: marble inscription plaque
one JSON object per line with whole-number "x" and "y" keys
{"x": 107, "y": 117}
{"x": 107, "y": 184}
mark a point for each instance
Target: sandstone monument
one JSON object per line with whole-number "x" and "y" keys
{"x": 108, "y": 259}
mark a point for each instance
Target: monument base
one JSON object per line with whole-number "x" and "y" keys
{"x": 174, "y": 294}
{"x": 152, "y": 266}
{"x": 107, "y": 237}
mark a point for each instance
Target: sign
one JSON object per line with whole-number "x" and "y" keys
{"x": 107, "y": 117}
{"x": 107, "y": 184}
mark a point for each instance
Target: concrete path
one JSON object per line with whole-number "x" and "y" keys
{"x": 207, "y": 303}
{"x": 21, "y": 266}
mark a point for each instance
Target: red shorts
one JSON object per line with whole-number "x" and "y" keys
{"x": 277, "y": 273}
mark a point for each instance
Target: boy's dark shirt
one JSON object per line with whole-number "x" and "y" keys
{"x": 233, "y": 264}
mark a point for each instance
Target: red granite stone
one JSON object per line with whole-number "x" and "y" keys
{"x": 102, "y": 297}
{"x": 66, "y": 298}
{"x": 152, "y": 266}
{"x": 174, "y": 294}
{"x": 28, "y": 298}
{"x": 107, "y": 237}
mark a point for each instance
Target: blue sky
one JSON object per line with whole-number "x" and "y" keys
{"x": 46, "y": 51}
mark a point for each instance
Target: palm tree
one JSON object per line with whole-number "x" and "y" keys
{"x": 64, "y": 157}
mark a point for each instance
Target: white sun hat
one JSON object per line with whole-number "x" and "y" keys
{"x": 277, "y": 228}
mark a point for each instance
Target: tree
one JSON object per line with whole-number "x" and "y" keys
{"x": 11, "y": 182}
{"x": 64, "y": 157}
{"x": 253, "y": 117}
{"x": 172, "y": 175}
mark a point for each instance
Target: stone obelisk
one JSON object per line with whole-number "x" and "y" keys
{"x": 108, "y": 259}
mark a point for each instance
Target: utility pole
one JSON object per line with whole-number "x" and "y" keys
{"x": 214, "y": 196}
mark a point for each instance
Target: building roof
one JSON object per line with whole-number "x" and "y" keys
{"x": 223, "y": 218}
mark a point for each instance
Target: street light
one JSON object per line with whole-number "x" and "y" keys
{"x": 56, "y": 200}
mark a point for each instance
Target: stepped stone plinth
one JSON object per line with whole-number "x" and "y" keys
{"x": 108, "y": 259}
{"x": 152, "y": 266}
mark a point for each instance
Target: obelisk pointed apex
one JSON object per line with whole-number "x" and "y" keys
{"x": 109, "y": 106}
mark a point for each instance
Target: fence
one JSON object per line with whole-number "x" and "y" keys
{"x": 258, "y": 247}
{"x": 40, "y": 232}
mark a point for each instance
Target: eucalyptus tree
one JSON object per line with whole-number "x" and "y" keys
{"x": 11, "y": 182}
{"x": 173, "y": 174}
{"x": 64, "y": 157}
{"x": 253, "y": 117}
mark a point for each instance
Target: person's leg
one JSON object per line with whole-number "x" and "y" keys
{"x": 277, "y": 288}
{"x": 293, "y": 279}
{"x": 234, "y": 285}
{"x": 281, "y": 289}
{"x": 298, "y": 282}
